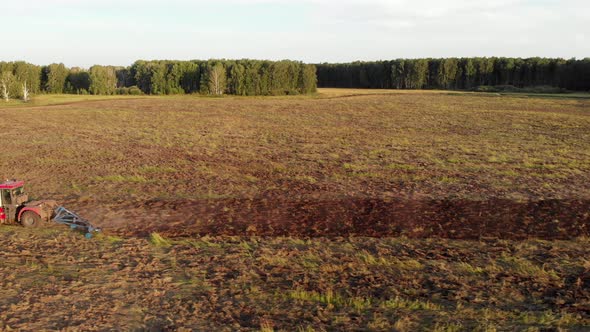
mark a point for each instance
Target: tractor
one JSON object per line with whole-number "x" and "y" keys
{"x": 15, "y": 208}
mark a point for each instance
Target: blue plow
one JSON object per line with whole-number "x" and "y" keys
{"x": 67, "y": 217}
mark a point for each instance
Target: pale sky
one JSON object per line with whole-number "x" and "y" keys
{"x": 118, "y": 32}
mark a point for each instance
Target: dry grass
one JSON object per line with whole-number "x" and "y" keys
{"x": 212, "y": 283}
{"x": 395, "y": 144}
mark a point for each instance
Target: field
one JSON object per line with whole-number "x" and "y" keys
{"x": 349, "y": 209}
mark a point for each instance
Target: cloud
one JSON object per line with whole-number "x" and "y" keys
{"x": 86, "y": 32}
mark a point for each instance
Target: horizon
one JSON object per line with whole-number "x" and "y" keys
{"x": 294, "y": 60}
{"x": 81, "y": 34}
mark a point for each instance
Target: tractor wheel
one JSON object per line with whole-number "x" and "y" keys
{"x": 30, "y": 219}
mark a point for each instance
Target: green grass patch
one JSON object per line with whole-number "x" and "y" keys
{"x": 158, "y": 169}
{"x": 399, "y": 303}
{"x": 159, "y": 241}
{"x": 122, "y": 178}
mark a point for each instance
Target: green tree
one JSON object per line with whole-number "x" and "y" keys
{"x": 103, "y": 80}
{"x": 418, "y": 74}
{"x": 158, "y": 73}
{"x": 236, "y": 79}
{"x": 55, "y": 78}
{"x": 307, "y": 79}
{"x": 78, "y": 81}
{"x": 191, "y": 78}
{"x": 398, "y": 70}
{"x": 29, "y": 73}
{"x": 447, "y": 72}
{"x": 470, "y": 72}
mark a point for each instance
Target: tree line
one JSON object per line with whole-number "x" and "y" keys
{"x": 215, "y": 77}
{"x": 19, "y": 80}
{"x": 457, "y": 73}
{"x": 211, "y": 77}
{"x": 260, "y": 77}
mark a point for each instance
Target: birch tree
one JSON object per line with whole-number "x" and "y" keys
{"x": 25, "y": 92}
{"x": 6, "y": 80}
{"x": 217, "y": 79}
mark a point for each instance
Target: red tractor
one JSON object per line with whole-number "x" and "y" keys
{"x": 16, "y": 208}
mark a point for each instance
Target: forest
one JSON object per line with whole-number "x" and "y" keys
{"x": 458, "y": 73}
{"x": 213, "y": 77}
{"x": 262, "y": 77}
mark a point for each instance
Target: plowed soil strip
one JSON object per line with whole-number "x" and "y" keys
{"x": 454, "y": 219}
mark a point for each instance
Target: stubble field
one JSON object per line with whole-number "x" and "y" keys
{"x": 318, "y": 212}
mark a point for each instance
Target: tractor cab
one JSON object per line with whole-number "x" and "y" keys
{"x": 12, "y": 198}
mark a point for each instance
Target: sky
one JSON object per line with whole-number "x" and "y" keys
{"x": 118, "y": 32}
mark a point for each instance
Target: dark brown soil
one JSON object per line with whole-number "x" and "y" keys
{"x": 280, "y": 216}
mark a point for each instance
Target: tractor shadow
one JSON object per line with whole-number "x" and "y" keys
{"x": 278, "y": 216}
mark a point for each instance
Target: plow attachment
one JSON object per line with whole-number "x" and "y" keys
{"x": 67, "y": 217}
